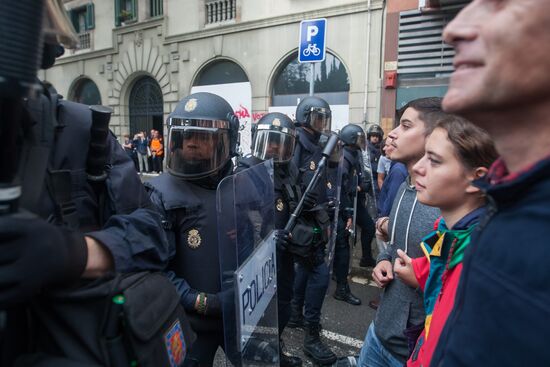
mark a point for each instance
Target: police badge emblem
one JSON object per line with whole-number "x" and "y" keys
{"x": 280, "y": 205}
{"x": 329, "y": 185}
{"x": 312, "y": 166}
{"x": 276, "y": 122}
{"x": 194, "y": 239}
{"x": 191, "y": 105}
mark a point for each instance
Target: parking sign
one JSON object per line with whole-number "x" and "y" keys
{"x": 312, "y": 40}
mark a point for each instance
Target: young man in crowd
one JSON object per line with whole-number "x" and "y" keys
{"x": 502, "y": 84}
{"x": 409, "y": 221}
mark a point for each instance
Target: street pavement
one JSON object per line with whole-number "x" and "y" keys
{"x": 344, "y": 325}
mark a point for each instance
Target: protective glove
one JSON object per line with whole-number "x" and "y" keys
{"x": 224, "y": 300}
{"x": 310, "y": 199}
{"x": 282, "y": 239}
{"x": 35, "y": 254}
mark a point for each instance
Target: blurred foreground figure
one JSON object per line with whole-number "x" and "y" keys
{"x": 502, "y": 84}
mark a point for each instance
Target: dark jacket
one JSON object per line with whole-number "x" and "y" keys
{"x": 398, "y": 173}
{"x": 502, "y": 306}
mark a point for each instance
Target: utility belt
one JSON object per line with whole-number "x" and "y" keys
{"x": 115, "y": 321}
{"x": 310, "y": 236}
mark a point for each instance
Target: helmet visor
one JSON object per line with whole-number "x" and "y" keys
{"x": 272, "y": 144}
{"x": 320, "y": 120}
{"x": 196, "y": 152}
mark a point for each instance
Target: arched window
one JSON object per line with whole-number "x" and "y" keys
{"x": 229, "y": 81}
{"x": 221, "y": 72}
{"x": 293, "y": 79}
{"x": 86, "y": 92}
{"x": 146, "y": 106}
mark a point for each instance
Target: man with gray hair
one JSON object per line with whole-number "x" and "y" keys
{"x": 502, "y": 84}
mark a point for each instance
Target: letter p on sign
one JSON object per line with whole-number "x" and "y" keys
{"x": 312, "y": 31}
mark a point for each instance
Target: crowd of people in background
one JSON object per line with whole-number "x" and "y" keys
{"x": 146, "y": 151}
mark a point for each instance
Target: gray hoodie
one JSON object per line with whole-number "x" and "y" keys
{"x": 401, "y": 306}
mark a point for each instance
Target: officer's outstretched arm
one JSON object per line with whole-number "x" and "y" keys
{"x": 99, "y": 261}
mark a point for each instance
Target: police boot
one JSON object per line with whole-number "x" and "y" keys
{"x": 296, "y": 319}
{"x": 343, "y": 293}
{"x": 314, "y": 348}
{"x": 287, "y": 360}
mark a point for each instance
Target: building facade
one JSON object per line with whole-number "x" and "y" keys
{"x": 417, "y": 63}
{"x": 140, "y": 57}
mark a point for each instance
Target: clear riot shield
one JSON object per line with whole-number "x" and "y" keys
{"x": 334, "y": 190}
{"x": 248, "y": 266}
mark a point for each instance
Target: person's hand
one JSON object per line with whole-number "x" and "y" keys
{"x": 404, "y": 270}
{"x": 35, "y": 254}
{"x": 310, "y": 199}
{"x": 282, "y": 239}
{"x": 382, "y": 229}
{"x": 349, "y": 223}
{"x": 382, "y": 273}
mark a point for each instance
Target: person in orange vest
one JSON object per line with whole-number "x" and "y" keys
{"x": 157, "y": 151}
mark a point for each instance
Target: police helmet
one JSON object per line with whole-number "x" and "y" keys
{"x": 375, "y": 130}
{"x": 315, "y": 113}
{"x": 274, "y": 138}
{"x": 352, "y": 135}
{"x": 202, "y": 137}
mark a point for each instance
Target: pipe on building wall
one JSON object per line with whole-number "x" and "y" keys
{"x": 367, "y": 63}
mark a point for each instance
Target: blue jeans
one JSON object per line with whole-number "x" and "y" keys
{"x": 373, "y": 353}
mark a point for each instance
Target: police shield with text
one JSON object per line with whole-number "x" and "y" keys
{"x": 73, "y": 212}
{"x": 202, "y": 139}
{"x": 313, "y": 115}
{"x": 275, "y": 138}
{"x": 247, "y": 256}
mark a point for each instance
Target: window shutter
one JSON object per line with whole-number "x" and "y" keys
{"x": 421, "y": 46}
{"x": 73, "y": 15}
{"x": 90, "y": 16}
{"x": 134, "y": 9}
{"x": 117, "y": 13}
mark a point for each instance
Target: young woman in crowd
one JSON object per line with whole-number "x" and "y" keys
{"x": 457, "y": 153}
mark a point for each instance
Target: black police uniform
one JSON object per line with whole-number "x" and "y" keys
{"x": 191, "y": 222}
{"x": 312, "y": 277}
{"x": 363, "y": 219}
{"x": 186, "y": 198}
{"x": 117, "y": 213}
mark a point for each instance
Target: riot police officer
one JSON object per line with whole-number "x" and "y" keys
{"x": 202, "y": 139}
{"x": 274, "y": 138}
{"x": 90, "y": 213}
{"x": 353, "y": 183}
{"x": 375, "y": 134}
{"x": 313, "y": 115}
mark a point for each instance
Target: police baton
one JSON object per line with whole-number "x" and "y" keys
{"x": 327, "y": 151}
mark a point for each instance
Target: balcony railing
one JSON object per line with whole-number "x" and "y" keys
{"x": 220, "y": 11}
{"x": 84, "y": 40}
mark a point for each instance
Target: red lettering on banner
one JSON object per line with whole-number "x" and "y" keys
{"x": 257, "y": 115}
{"x": 242, "y": 112}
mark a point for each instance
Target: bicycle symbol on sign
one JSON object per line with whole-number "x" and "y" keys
{"x": 311, "y": 49}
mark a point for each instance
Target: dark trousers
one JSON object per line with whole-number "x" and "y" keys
{"x": 310, "y": 287}
{"x": 203, "y": 350}
{"x": 157, "y": 164}
{"x": 341, "y": 254}
{"x": 365, "y": 222}
{"x": 285, "y": 282}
